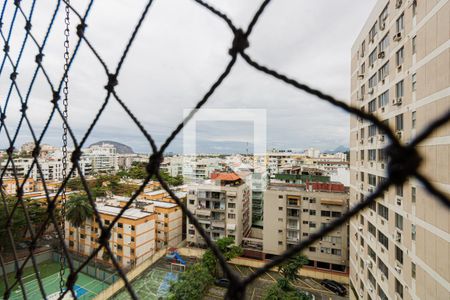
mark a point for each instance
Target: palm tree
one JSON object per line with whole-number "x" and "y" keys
{"x": 78, "y": 210}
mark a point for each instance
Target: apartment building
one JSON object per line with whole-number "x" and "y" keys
{"x": 292, "y": 213}
{"x": 222, "y": 205}
{"x": 132, "y": 239}
{"x": 103, "y": 158}
{"x": 400, "y": 246}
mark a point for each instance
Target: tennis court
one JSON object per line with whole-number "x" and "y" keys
{"x": 153, "y": 284}
{"x": 86, "y": 287}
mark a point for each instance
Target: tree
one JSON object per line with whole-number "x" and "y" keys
{"x": 78, "y": 210}
{"x": 192, "y": 284}
{"x": 229, "y": 251}
{"x": 284, "y": 289}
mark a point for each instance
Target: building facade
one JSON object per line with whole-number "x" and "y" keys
{"x": 222, "y": 206}
{"x": 400, "y": 246}
{"x": 292, "y": 213}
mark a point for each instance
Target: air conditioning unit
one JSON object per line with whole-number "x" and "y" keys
{"x": 399, "y": 201}
{"x": 360, "y": 76}
{"x": 398, "y": 269}
{"x": 360, "y": 228}
{"x": 398, "y": 237}
{"x": 399, "y": 134}
{"x": 398, "y": 3}
{"x": 398, "y": 36}
{"x": 397, "y": 101}
{"x": 381, "y": 55}
{"x": 382, "y": 26}
{"x": 381, "y": 138}
{"x": 371, "y": 91}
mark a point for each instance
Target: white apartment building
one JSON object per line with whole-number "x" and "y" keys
{"x": 400, "y": 246}
{"x": 222, "y": 206}
{"x": 292, "y": 213}
{"x": 103, "y": 158}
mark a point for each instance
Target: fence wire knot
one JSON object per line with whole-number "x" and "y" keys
{"x": 403, "y": 162}
{"x": 154, "y": 162}
{"x": 240, "y": 43}
{"x": 112, "y": 82}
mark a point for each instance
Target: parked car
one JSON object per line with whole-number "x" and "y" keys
{"x": 334, "y": 286}
{"x": 223, "y": 282}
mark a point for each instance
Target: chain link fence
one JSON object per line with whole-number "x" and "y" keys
{"x": 404, "y": 159}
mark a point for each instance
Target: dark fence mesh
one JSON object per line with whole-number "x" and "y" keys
{"x": 404, "y": 159}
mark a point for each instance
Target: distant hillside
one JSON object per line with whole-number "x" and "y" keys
{"x": 120, "y": 148}
{"x": 338, "y": 149}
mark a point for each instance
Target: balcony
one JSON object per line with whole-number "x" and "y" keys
{"x": 203, "y": 212}
{"x": 218, "y": 223}
{"x": 292, "y": 239}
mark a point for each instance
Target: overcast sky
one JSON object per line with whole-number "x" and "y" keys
{"x": 179, "y": 52}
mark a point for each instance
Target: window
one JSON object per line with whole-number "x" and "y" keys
{"x": 399, "y": 24}
{"x": 399, "y": 122}
{"x": 372, "y": 81}
{"x": 361, "y": 154}
{"x": 372, "y": 106}
{"x": 132, "y": 239}
{"x": 362, "y": 133}
{"x": 399, "y": 255}
{"x": 382, "y": 155}
{"x": 372, "y": 178}
{"x": 280, "y": 196}
{"x": 398, "y": 221}
{"x": 399, "y": 57}
{"x": 119, "y": 247}
{"x": 363, "y": 48}
{"x": 231, "y": 216}
{"x": 372, "y": 253}
{"x": 312, "y": 225}
{"x": 106, "y": 222}
{"x": 119, "y": 236}
{"x": 280, "y": 219}
{"x": 399, "y": 288}
{"x": 362, "y": 176}
{"x": 383, "y": 268}
{"x": 413, "y": 232}
{"x": 132, "y": 251}
{"x": 305, "y": 222}
{"x": 312, "y": 200}
{"x": 132, "y": 227}
{"x": 383, "y": 72}
{"x": 373, "y": 57}
{"x": 382, "y": 18}
{"x": 120, "y": 225}
{"x": 413, "y": 194}
{"x": 413, "y": 119}
{"x": 383, "y": 99}
{"x": 372, "y": 130}
{"x": 280, "y": 208}
{"x": 383, "y": 211}
{"x": 372, "y": 229}
{"x": 363, "y": 68}
{"x": 336, "y": 252}
{"x": 413, "y": 270}
{"x": 383, "y": 240}
{"x": 413, "y": 82}
{"x": 82, "y": 236}
{"x": 325, "y": 213}
{"x": 383, "y": 44}
{"x": 312, "y": 249}
{"x": 372, "y": 154}
{"x": 414, "y": 8}
{"x": 231, "y": 205}
{"x": 373, "y": 32}
{"x": 413, "y": 43}
{"x": 399, "y": 190}
{"x": 280, "y": 243}
{"x": 336, "y": 214}
{"x": 381, "y": 294}
{"x": 312, "y": 212}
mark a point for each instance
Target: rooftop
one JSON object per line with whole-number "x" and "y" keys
{"x": 130, "y": 213}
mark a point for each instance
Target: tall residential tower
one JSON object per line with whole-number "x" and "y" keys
{"x": 400, "y": 246}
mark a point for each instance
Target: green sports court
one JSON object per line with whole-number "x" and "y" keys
{"x": 86, "y": 286}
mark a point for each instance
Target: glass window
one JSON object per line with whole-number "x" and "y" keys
{"x": 398, "y": 221}
{"x": 372, "y": 129}
{"x": 399, "y": 190}
{"x": 413, "y": 194}
{"x": 413, "y": 82}
{"x": 383, "y": 211}
{"x": 383, "y": 72}
{"x": 373, "y": 57}
{"x": 372, "y": 106}
{"x": 399, "y": 255}
{"x": 399, "y": 288}
{"x": 373, "y": 32}
{"x": 399, "y": 24}
{"x": 413, "y": 119}
{"x": 399, "y": 91}
{"x": 413, "y": 42}
{"x": 399, "y": 57}
{"x": 372, "y": 155}
{"x": 399, "y": 122}
{"x": 383, "y": 268}
{"x": 372, "y": 229}
{"x": 372, "y": 178}
{"x": 373, "y": 81}
{"x": 382, "y": 18}
{"x": 383, "y": 99}
{"x": 413, "y": 270}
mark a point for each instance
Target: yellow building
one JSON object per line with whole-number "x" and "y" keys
{"x": 132, "y": 238}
